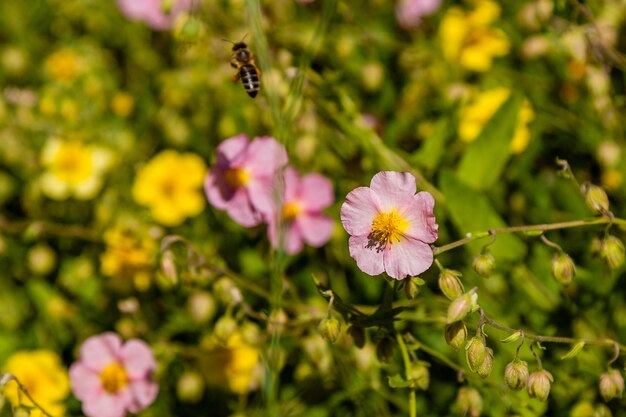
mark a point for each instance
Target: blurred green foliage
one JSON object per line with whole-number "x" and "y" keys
{"x": 350, "y": 93}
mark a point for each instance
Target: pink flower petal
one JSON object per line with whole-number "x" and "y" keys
{"x": 264, "y": 156}
{"x": 261, "y": 196}
{"x": 358, "y": 211}
{"x": 316, "y": 229}
{"x": 393, "y": 188}
{"x": 217, "y": 190}
{"x": 99, "y": 351}
{"x": 105, "y": 405}
{"x": 137, "y": 359}
{"x": 230, "y": 149}
{"x": 292, "y": 184}
{"x": 407, "y": 257}
{"x": 421, "y": 218}
{"x": 316, "y": 192}
{"x": 143, "y": 394}
{"x": 86, "y": 383}
{"x": 241, "y": 211}
{"x": 368, "y": 256}
{"x": 293, "y": 239}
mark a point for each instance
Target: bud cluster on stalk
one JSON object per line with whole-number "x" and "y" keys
{"x": 563, "y": 268}
{"x": 484, "y": 263}
{"x": 611, "y": 384}
{"x": 479, "y": 357}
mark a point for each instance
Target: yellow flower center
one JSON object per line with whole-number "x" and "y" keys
{"x": 291, "y": 211}
{"x": 72, "y": 163}
{"x": 388, "y": 228}
{"x": 113, "y": 378}
{"x": 236, "y": 177}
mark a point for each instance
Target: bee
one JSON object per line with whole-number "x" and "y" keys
{"x": 243, "y": 61}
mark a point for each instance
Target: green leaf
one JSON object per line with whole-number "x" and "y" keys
{"x": 486, "y": 157}
{"x": 397, "y": 381}
{"x": 470, "y": 210}
{"x": 512, "y": 338}
{"x": 575, "y": 350}
{"x": 433, "y": 148}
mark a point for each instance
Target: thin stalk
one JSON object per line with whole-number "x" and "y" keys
{"x": 407, "y": 373}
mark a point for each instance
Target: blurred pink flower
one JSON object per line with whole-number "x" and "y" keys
{"x": 390, "y": 226}
{"x": 301, "y": 214}
{"x": 409, "y": 13}
{"x": 242, "y": 179}
{"x": 112, "y": 378}
{"x": 158, "y": 14}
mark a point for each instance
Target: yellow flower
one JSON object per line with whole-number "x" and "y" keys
{"x": 235, "y": 365}
{"x": 43, "y": 375}
{"x": 477, "y": 113}
{"x": 73, "y": 169}
{"x": 63, "y": 65}
{"x": 122, "y": 104}
{"x": 128, "y": 256}
{"x": 468, "y": 39}
{"x": 170, "y": 186}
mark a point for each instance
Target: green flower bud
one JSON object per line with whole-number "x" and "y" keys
{"x": 420, "y": 375}
{"x": 384, "y": 349}
{"x": 516, "y": 374}
{"x": 329, "y": 329}
{"x": 456, "y": 334}
{"x": 41, "y": 259}
{"x": 461, "y": 306}
{"x": 469, "y": 402}
{"x": 595, "y": 197}
{"x": 602, "y": 410}
{"x": 412, "y": 288}
{"x": 563, "y": 268}
{"x": 190, "y": 387}
{"x": 224, "y": 328}
{"x": 484, "y": 264}
{"x": 612, "y": 250}
{"x": 358, "y": 335}
{"x": 539, "y": 383}
{"x": 611, "y": 384}
{"x": 450, "y": 284}
{"x": 484, "y": 370}
{"x": 475, "y": 352}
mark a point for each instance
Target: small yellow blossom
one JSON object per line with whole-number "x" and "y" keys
{"x": 477, "y": 113}
{"x": 468, "y": 39}
{"x": 122, "y": 104}
{"x": 128, "y": 256}
{"x": 73, "y": 169}
{"x": 234, "y": 365}
{"x": 170, "y": 186}
{"x": 43, "y": 375}
{"x": 63, "y": 65}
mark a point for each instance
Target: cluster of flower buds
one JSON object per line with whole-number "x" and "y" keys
{"x": 611, "y": 384}
{"x": 469, "y": 402}
{"x": 516, "y": 374}
{"x": 484, "y": 263}
{"x": 563, "y": 268}
{"x": 479, "y": 357}
{"x": 539, "y": 384}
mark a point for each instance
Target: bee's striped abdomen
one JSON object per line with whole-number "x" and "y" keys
{"x": 250, "y": 79}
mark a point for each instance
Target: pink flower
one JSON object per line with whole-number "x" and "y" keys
{"x": 390, "y": 226}
{"x": 111, "y": 379}
{"x": 155, "y": 13}
{"x": 242, "y": 179}
{"x": 301, "y": 214}
{"x": 409, "y": 13}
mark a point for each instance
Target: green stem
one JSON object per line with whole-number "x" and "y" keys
{"x": 6, "y": 378}
{"x": 535, "y": 228}
{"x": 407, "y": 372}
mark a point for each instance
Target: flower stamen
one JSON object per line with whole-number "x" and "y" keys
{"x": 113, "y": 378}
{"x": 236, "y": 177}
{"x": 388, "y": 227}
